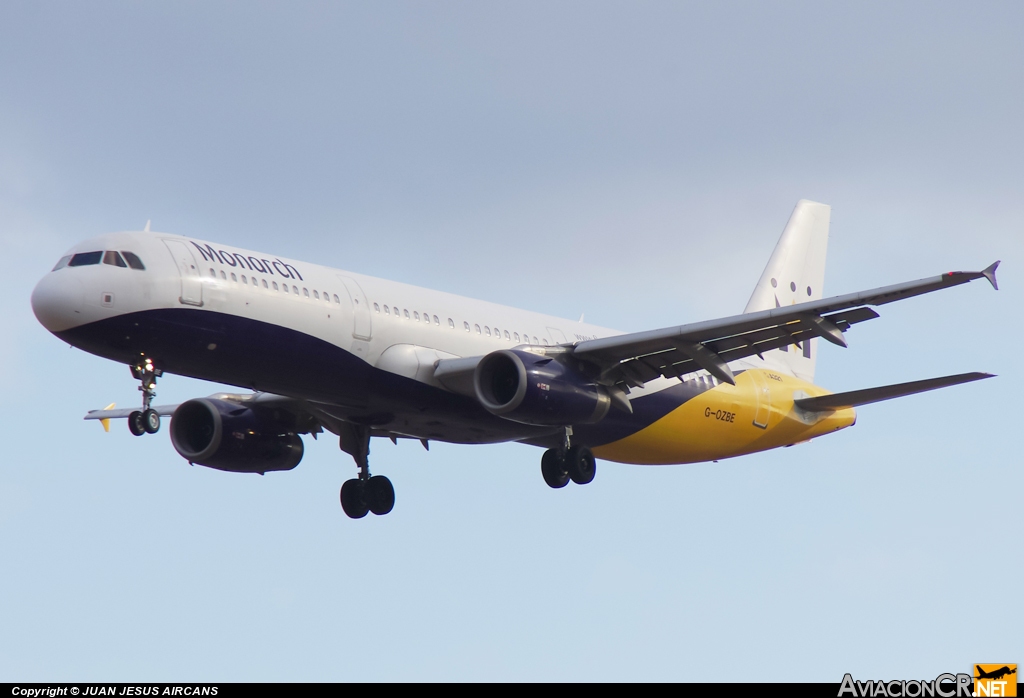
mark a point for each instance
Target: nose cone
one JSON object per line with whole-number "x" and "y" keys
{"x": 57, "y": 301}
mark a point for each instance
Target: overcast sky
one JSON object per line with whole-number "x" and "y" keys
{"x": 634, "y": 161}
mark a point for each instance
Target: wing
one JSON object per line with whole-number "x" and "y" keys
{"x": 630, "y": 360}
{"x": 266, "y": 400}
{"x": 162, "y": 410}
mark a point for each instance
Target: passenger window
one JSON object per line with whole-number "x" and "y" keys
{"x": 436, "y": 321}
{"x": 416, "y": 316}
{"x": 507, "y": 335}
{"x": 275, "y": 286}
{"x": 466, "y": 325}
{"x": 487, "y": 330}
{"x": 85, "y": 259}
{"x": 376, "y": 308}
{"x": 316, "y": 296}
{"x": 451, "y": 324}
{"x": 264, "y": 283}
{"x": 213, "y": 274}
{"x": 327, "y": 297}
{"x": 545, "y": 342}
{"x": 113, "y": 259}
{"x": 284, "y": 287}
{"x": 535, "y": 341}
{"x": 305, "y": 292}
{"x": 223, "y": 276}
{"x": 406, "y": 314}
{"x": 517, "y": 336}
{"x": 336, "y": 299}
{"x": 234, "y": 278}
{"x": 61, "y": 263}
{"x": 133, "y": 260}
{"x": 387, "y": 310}
{"x": 245, "y": 280}
{"x": 295, "y": 290}
{"x": 477, "y": 328}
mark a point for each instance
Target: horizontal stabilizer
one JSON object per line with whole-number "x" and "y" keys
{"x": 854, "y": 398}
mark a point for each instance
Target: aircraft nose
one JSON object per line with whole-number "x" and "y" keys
{"x": 57, "y": 301}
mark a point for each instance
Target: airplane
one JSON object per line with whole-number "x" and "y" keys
{"x": 322, "y": 349}
{"x": 994, "y": 674}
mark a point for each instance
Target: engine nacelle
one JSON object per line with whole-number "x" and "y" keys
{"x": 228, "y": 436}
{"x": 535, "y": 389}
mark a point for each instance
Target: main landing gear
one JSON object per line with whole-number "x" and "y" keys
{"x": 576, "y": 463}
{"x": 146, "y": 421}
{"x": 365, "y": 493}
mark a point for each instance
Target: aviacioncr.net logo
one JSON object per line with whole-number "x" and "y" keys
{"x": 943, "y": 686}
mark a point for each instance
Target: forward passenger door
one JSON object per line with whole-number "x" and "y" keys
{"x": 191, "y": 284}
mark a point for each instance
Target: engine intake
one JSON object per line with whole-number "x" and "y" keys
{"x": 533, "y": 389}
{"x": 232, "y": 437}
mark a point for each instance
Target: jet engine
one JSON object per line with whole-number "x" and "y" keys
{"x": 535, "y": 389}
{"x": 229, "y": 436}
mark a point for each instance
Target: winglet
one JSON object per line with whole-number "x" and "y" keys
{"x": 146, "y": 229}
{"x": 106, "y": 422}
{"x": 990, "y": 273}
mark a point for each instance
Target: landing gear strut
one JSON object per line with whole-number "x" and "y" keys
{"x": 576, "y": 463}
{"x": 365, "y": 493}
{"x": 146, "y": 421}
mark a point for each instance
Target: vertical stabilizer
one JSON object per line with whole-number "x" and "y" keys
{"x": 795, "y": 274}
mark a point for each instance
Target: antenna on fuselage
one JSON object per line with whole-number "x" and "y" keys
{"x": 146, "y": 229}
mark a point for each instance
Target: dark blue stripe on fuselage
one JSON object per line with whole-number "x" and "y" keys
{"x": 646, "y": 411}
{"x": 262, "y": 356}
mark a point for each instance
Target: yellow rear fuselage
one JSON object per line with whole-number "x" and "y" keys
{"x": 756, "y": 414}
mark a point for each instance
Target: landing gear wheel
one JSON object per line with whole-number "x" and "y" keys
{"x": 146, "y": 421}
{"x": 353, "y": 500}
{"x": 135, "y": 423}
{"x": 552, "y": 467}
{"x": 151, "y": 421}
{"x": 581, "y": 464}
{"x": 379, "y": 495}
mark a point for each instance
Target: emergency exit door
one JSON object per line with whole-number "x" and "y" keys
{"x": 361, "y": 327}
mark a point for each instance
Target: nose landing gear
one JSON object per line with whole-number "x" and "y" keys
{"x": 146, "y": 421}
{"x": 364, "y": 493}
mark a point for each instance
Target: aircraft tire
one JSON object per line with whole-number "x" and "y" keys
{"x": 380, "y": 495}
{"x": 151, "y": 421}
{"x": 552, "y": 467}
{"x": 353, "y": 501}
{"x": 135, "y": 424}
{"x": 581, "y": 465}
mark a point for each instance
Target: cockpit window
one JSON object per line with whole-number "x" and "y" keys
{"x": 63, "y": 262}
{"x": 133, "y": 260}
{"x": 113, "y": 259}
{"x": 84, "y": 259}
